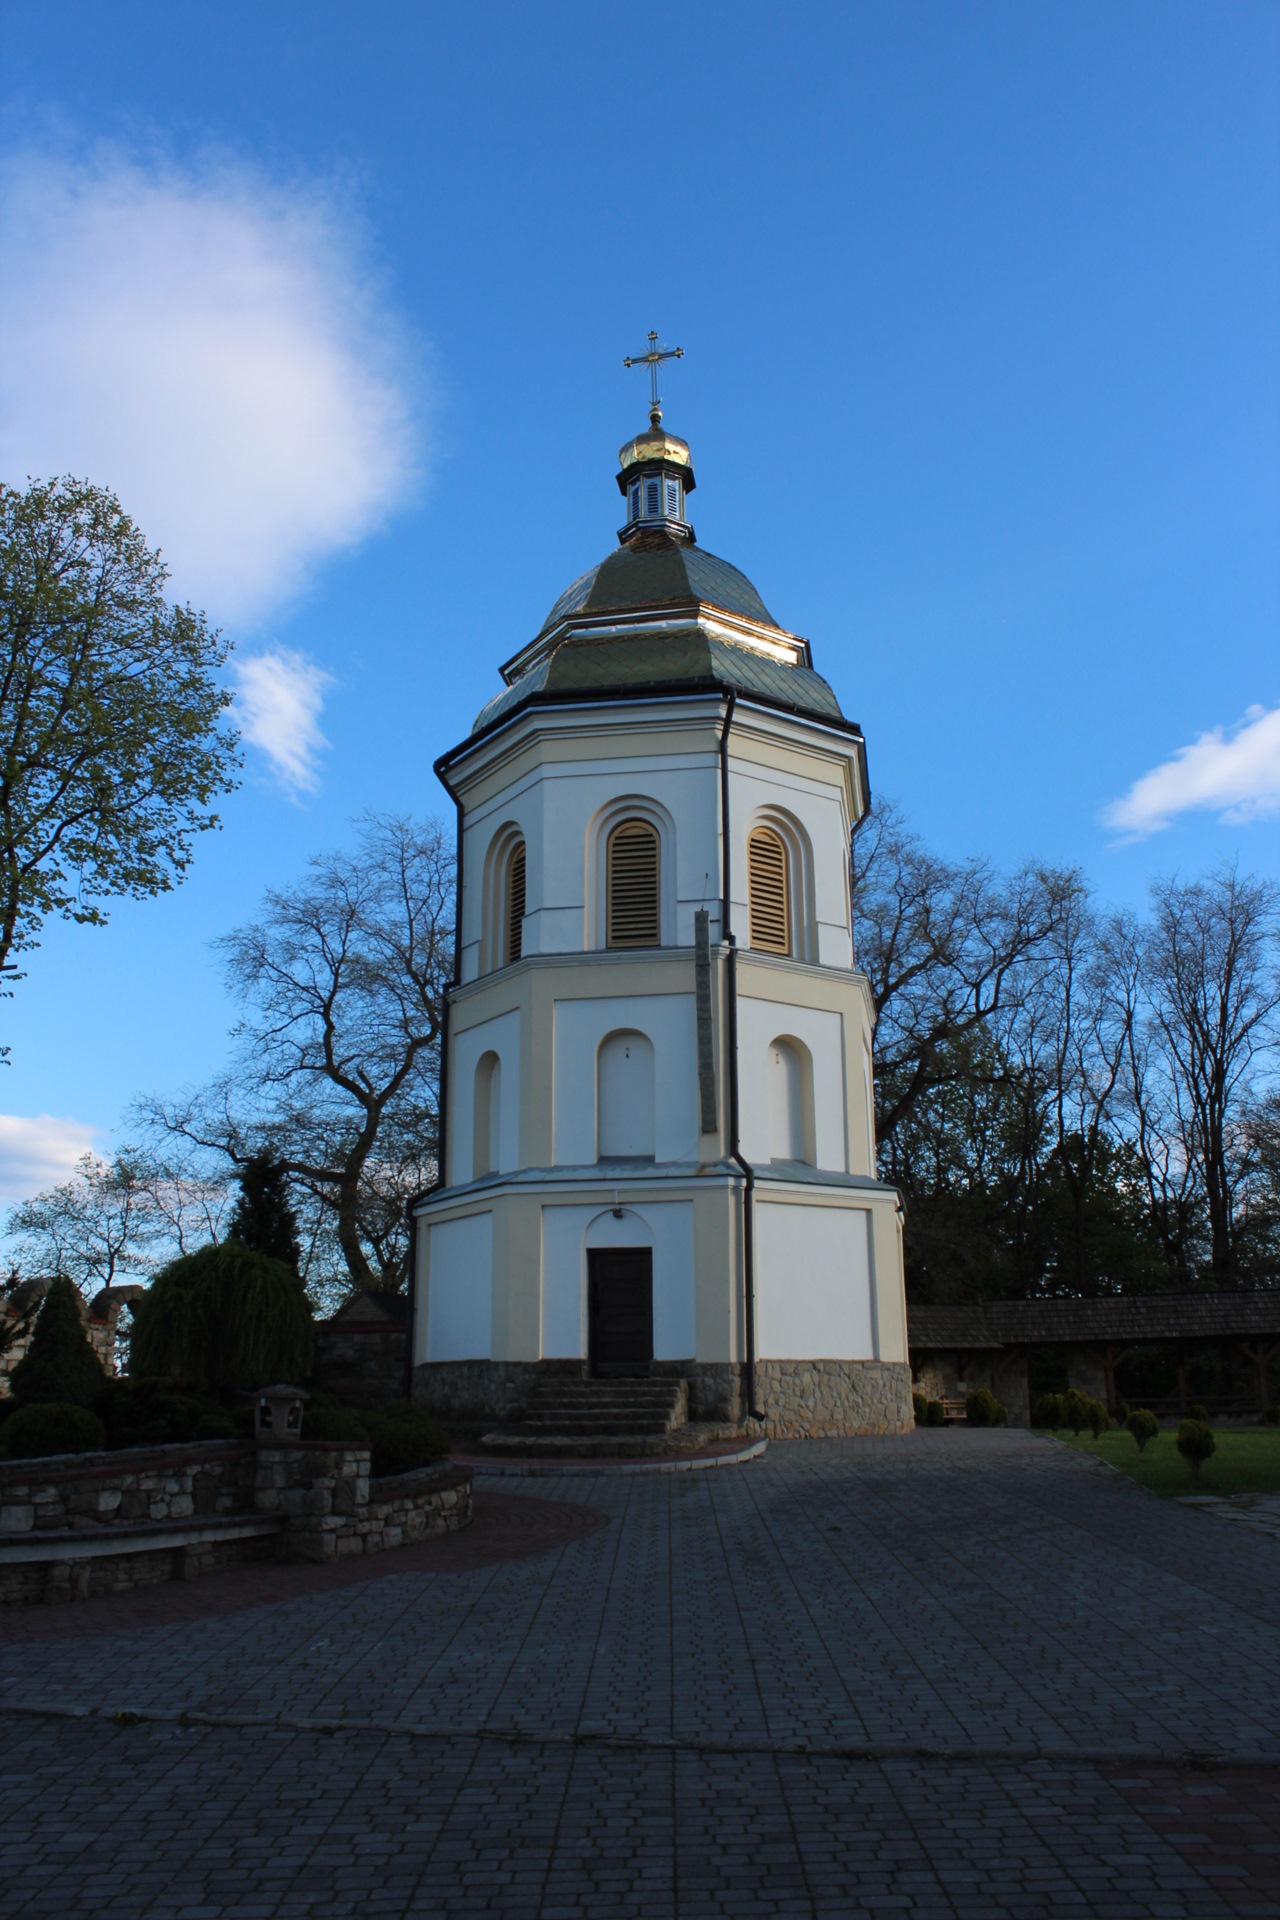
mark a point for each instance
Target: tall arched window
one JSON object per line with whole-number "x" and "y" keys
{"x": 624, "y": 1097}
{"x": 633, "y": 913}
{"x": 486, "y": 1120}
{"x": 513, "y": 944}
{"x": 769, "y": 891}
{"x": 790, "y": 1072}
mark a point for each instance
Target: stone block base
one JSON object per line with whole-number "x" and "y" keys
{"x": 828, "y": 1399}
{"x": 817, "y": 1399}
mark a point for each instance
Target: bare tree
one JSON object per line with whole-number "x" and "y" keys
{"x": 337, "y": 1066}
{"x": 116, "y": 1219}
{"x": 947, "y": 947}
{"x": 1212, "y": 976}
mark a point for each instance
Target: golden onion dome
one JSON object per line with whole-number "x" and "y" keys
{"x": 655, "y": 443}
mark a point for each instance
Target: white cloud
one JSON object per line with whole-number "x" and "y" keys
{"x": 206, "y": 344}
{"x": 278, "y": 701}
{"x": 39, "y": 1151}
{"x": 1233, "y": 772}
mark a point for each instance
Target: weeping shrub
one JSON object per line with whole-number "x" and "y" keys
{"x": 225, "y": 1320}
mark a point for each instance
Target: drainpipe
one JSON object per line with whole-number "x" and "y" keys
{"x": 441, "y": 1178}
{"x": 735, "y": 1145}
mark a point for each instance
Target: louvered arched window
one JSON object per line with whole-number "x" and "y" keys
{"x": 768, "y": 887}
{"x": 633, "y": 915}
{"x": 514, "y": 943}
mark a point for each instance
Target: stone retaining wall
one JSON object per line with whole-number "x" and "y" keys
{"x": 137, "y": 1483}
{"x": 174, "y": 1511}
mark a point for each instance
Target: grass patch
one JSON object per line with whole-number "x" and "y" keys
{"x": 1247, "y": 1461}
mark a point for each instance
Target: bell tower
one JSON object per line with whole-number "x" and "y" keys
{"x": 658, "y": 1134}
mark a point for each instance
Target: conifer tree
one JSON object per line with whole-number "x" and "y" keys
{"x": 60, "y": 1364}
{"x": 263, "y": 1219}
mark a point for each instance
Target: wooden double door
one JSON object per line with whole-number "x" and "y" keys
{"x": 620, "y": 1311}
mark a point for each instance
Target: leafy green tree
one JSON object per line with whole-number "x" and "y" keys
{"x": 60, "y": 1365}
{"x": 223, "y": 1319}
{"x": 262, "y": 1218}
{"x": 111, "y": 743}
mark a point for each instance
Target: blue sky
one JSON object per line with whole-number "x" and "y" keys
{"x": 980, "y": 306}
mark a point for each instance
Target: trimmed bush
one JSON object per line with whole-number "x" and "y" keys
{"x": 1195, "y": 1444}
{"x": 1047, "y": 1412}
{"x": 335, "y": 1423}
{"x": 224, "y": 1319}
{"x": 1098, "y": 1420}
{"x": 935, "y": 1414}
{"x": 1143, "y": 1425}
{"x": 403, "y": 1438}
{"x": 59, "y": 1368}
{"x": 1198, "y": 1413}
{"x": 1123, "y": 1411}
{"x": 982, "y": 1409}
{"x": 921, "y": 1405}
{"x": 34, "y": 1432}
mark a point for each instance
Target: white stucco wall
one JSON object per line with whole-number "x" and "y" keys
{"x": 759, "y": 1022}
{"x": 500, "y": 1036}
{"x": 668, "y": 1021}
{"x": 568, "y": 1231}
{"x": 460, "y": 1289}
{"x": 813, "y": 1283}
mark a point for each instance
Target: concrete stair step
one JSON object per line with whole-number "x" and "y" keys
{"x": 600, "y": 1423}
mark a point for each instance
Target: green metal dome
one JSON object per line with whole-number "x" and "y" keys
{"x": 653, "y": 575}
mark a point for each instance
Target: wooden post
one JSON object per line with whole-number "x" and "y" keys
{"x": 1261, "y": 1357}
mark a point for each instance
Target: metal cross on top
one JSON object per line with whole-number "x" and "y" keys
{"x": 653, "y": 360}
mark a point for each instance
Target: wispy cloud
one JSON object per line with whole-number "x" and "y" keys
{"x": 1234, "y": 772}
{"x": 214, "y": 348}
{"x": 38, "y": 1151}
{"x": 278, "y": 700}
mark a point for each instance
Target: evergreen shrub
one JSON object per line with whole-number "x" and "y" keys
{"x": 34, "y": 1432}
{"x": 1143, "y": 1425}
{"x": 1195, "y": 1444}
{"x": 160, "y": 1413}
{"x": 402, "y": 1438}
{"x": 60, "y": 1366}
{"x": 1273, "y": 1414}
{"x": 982, "y": 1409}
{"x": 1198, "y": 1413}
{"x": 263, "y": 1220}
{"x": 1047, "y": 1412}
{"x": 224, "y": 1319}
{"x": 935, "y": 1414}
{"x": 921, "y": 1404}
{"x": 335, "y": 1423}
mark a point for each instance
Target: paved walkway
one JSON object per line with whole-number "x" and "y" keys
{"x": 956, "y": 1674}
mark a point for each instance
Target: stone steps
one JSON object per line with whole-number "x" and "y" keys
{"x": 620, "y": 1418}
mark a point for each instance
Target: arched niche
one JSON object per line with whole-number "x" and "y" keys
{"x": 486, "y": 1146}
{"x": 624, "y": 1097}
{"x": 789, "y": 1077}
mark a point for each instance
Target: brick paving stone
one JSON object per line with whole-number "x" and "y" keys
{"x": 953, "y": 1674}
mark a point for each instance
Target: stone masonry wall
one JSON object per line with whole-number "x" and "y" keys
{"x": 826, "y": 1399}
{"x": 321, "y": 1495}
{"x": 364, "y": 1365}
{"x": 144, "y": 1483}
